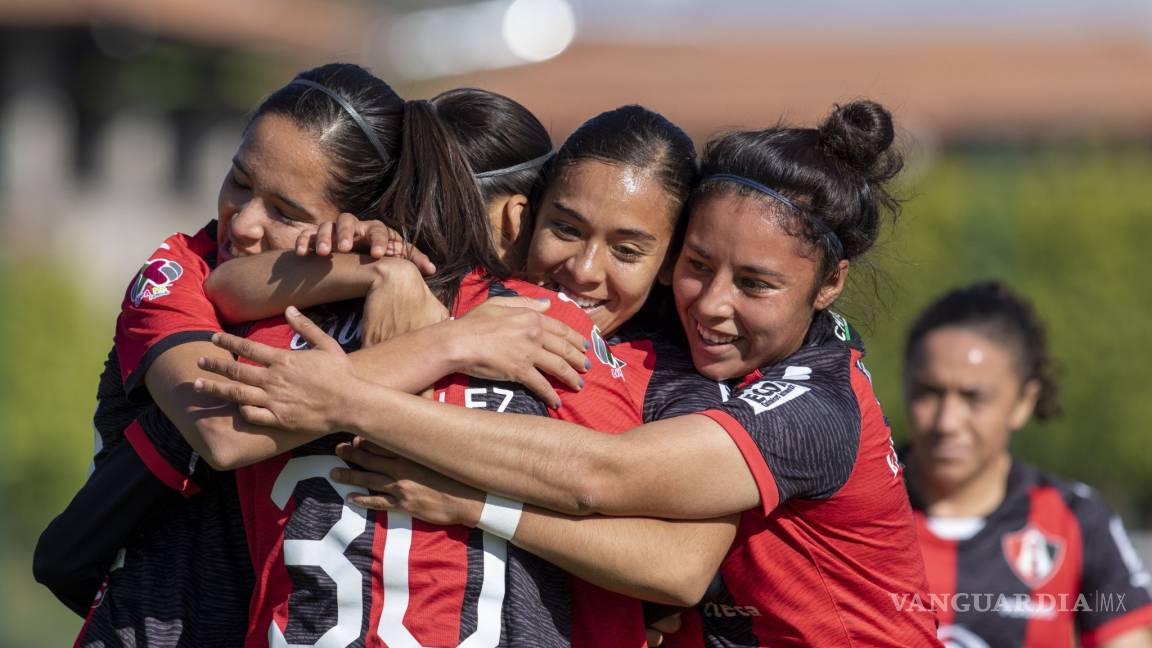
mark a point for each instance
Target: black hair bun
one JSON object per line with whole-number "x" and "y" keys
{"x": 859, "y": 133}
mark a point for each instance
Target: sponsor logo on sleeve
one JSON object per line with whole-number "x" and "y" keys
{"x": 155, "y": 280}
{"x": 767, "y": 395}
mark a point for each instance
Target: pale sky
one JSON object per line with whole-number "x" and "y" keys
{"x": 928, "y": 18}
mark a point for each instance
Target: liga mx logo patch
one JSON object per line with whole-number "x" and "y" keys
{"x": 1033, "y": 555}
{"x": 155, "y": 279}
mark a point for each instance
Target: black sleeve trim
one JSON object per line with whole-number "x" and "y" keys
{"x": 134, "y": 383}
{"x": 76, "y": 549}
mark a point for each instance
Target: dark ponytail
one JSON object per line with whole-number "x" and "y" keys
{"x": 496, "y": 133}
{"x": 434, "y": 203}
{"x": 836, "y": 175}
{"x": 1003, "y": 316}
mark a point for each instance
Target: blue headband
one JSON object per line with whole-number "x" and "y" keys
{"x": 368, "y": 132}
{"x": 820, "y": 226}
{"x": 530, "y": 164}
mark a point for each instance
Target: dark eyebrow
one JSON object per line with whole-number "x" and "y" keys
{"x": 627, "y": 232}
{"x": 750, "y": 269}
{"x": 780, "y": 277}
{"x": 281, "y": 197}
{"x": 240, "y": 165}
{"x": 570, "y": 211}
{"x": 697, "y": 250}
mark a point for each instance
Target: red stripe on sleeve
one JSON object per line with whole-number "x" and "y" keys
{"x": 163, "y": 470}
{"x": 769, "y": 493}
{"x": 1139, "y": 618}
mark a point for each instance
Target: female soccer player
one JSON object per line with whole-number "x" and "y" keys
{"x": 801, "y": 449}
{"x": 616, "y": 191}
{"x": 283, "y": 179}
{"x": 1017, "y": 557}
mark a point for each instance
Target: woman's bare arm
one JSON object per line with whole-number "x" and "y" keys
{"x": 670, "y": 562}
{"x": 685, "y": 467}
{"x": 251, "y": 288}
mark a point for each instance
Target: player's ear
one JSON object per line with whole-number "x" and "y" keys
{"x": 510, "y": 219}
{"x": 1022, "y": 410}
{"x": 830, "y": 289}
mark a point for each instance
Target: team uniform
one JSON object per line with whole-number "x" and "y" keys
{"x": 184, "y": 580}
{"x": 821, "y": 563}
{"x": 1051, "y": 566}
{"x": 332, "y": 574}
{"x": 183, "y": 577}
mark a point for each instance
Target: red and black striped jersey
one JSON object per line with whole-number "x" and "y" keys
{"x": 1052, "y": 566}
{"x": 834, "y": 545}
{"x": 183, "y": 576}
{"x": 163, "y": 307}
{"x": 329, "y": 572}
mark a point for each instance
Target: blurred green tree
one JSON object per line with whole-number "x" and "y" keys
{"x": 1066, "y": 226}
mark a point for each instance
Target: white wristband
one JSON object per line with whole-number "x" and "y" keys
{"x": 500, "y": 516}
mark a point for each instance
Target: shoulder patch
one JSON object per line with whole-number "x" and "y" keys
{"x": 769, "y": 394}
{"x": 154, "y": 280}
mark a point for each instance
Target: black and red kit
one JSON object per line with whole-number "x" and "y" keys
{"x": 821, "y": 562}
{"x": 1051, "y": 567}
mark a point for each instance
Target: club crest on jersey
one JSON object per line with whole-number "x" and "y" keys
{"x": 1033, "y": 555}
{"x": 769, "y": 394}
{"x": 155, "y": 278}
{"x": 600, "y": 348}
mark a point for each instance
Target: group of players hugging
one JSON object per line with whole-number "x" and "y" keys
{"x": 427, "y": 380}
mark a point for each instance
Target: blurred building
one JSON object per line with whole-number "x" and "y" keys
{"x": 118, "y": 117}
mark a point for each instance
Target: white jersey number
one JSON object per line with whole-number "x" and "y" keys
{"x": 327, "y": 553}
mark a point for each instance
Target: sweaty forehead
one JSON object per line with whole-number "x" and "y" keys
{"x": 599, "y": 189}
{"x": 603, "y": 176}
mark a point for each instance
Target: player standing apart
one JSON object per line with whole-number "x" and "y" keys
{"x": 1016, "y": 557}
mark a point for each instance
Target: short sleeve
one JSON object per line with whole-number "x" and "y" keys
{"x": 165, "y": 305}
{"x": 675, "y": 389}
{"x": 798, "y": 427}
{"x": 1114, "y": 576}
{"x": 166, "y": 453}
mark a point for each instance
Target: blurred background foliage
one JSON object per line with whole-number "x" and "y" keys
{"x": 1064, "y": 225}
{"x": 1028, "y": 125}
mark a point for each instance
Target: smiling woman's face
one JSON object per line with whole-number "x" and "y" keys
{"x": 277, "y": 187}
{"x": 745, "y": 288}
{"x": 602, "y": 233}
